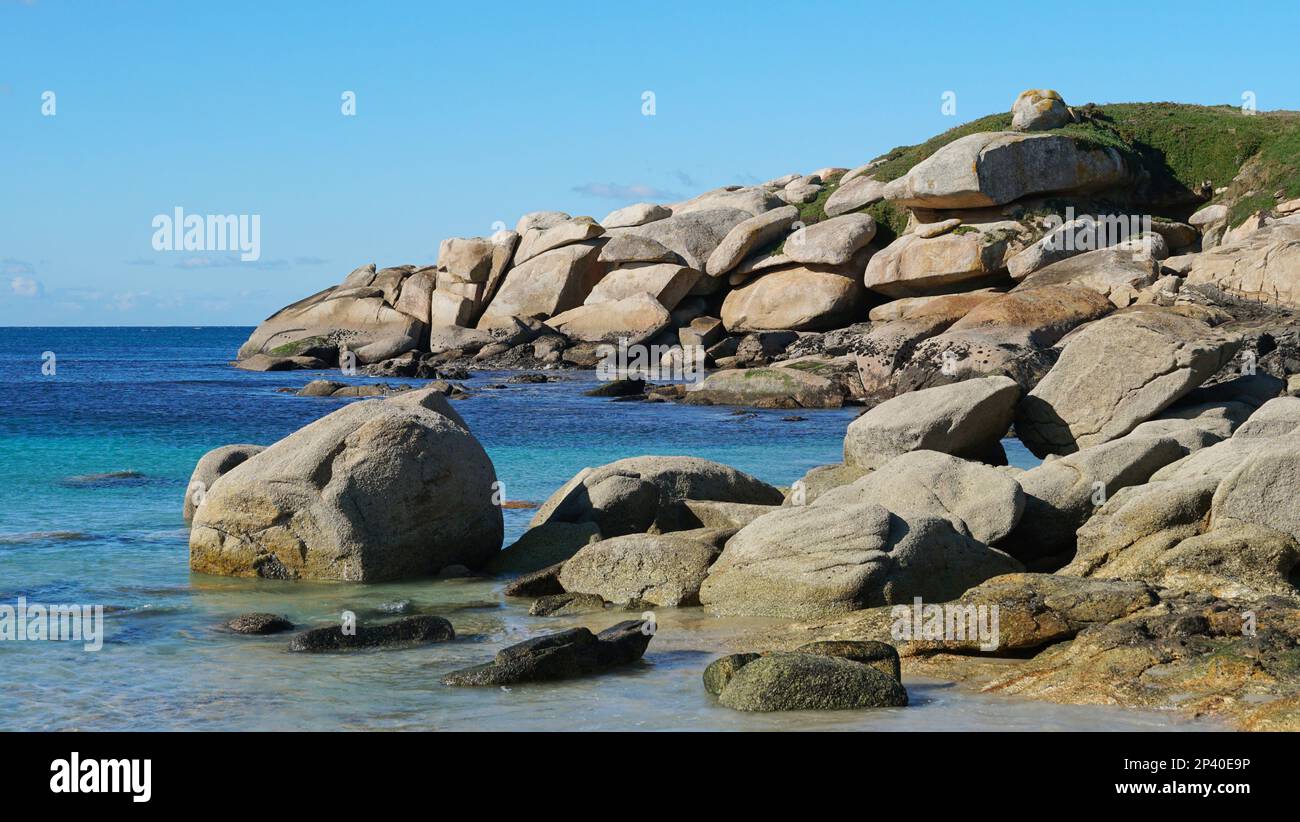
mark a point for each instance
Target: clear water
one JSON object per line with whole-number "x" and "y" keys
{"x": 152, "y": 400}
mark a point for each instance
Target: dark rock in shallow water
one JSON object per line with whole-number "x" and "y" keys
{"x": 618, "y": 388}
{"x": 804, "y": 682}
{"x": 721, "y": 670}
{"x": 406, "y": 631}
{"x": 879, "y": 655}
{"x": 259, "y": 624}
{"x": 568, "y": 654}
{"x": 105, "y": 479}
{"x": 529, "y": 378}
{"x": 565, "y": 604}
{"x": 537, "y": 584}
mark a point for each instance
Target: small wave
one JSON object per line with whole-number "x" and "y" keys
{"x": 44, "y": 536}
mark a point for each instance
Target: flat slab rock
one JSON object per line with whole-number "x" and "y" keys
{"x": 568, "y": 654}
{"x": 406, "y": 631}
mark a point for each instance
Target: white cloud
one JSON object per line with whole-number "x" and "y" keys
{"x": 617, "y": 191}
{"x": 26, "y": 287}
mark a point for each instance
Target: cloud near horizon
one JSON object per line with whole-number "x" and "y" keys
{"x": 627, "y": 193}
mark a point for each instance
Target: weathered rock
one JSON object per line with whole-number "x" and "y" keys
{"x": 766, "y": 388}
{"x": 267, "y": 362}
{"x": 995, "y": 168}
{"x": 629, "y": 248}
{"x": 805, "y": 561}
{"x": 856, "y": 193}
{"x": 566, "y": 604}
{"x": 668, "y": 283}
{"x": 979, "y": 501}
{"x": 702, "y": 332}
{"x": 965, "y": 419}
{"x": 412, "y": 630}
{"x": 466, "y": 259}
{"x": 748, "y": 235}
{"x": 1116, "y": 272}
{"x": 543, "y": 546}
{"x": 358, "y": 315}
{"x": 1060, "y": 495}
{"x": 575, "y": 652}
{"x": 691, "y": 514}
{"x": 635, "y": 318}
{"x": 537, "y": 241}
{"x": 540, "y": 220}
{"x": 416, "y": 295}
{"x": 259, "y": 624}
{"x": 211, "y": 467}
{"x": 626, "y": 496}
{"x": 806, "y": 298}
{"x": 1039, "y": 109}
{"x": 662, "y": 569}
{"x": 831, "y": 242}
{"x": 750, "y": 199}
{"x": 915, "y": 265}
{"x": 635, "y": 214}
{"x": 879, "y": 655}
{"x": 722, "y": 669}
{"x": 548, "y": 284}
{"x": 810, "y": 682}
{"x": 1117, "y": 373}
{"x": 691, "y": 235}
{"x": 1260, "y": 267}
{"x": 380, "y": 489}
{"x": 545, "y": 582}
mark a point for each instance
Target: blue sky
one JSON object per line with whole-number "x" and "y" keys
{"x": 470, "y": 114}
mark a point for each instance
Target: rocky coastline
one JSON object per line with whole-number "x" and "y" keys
{"x": 1132, "y": 318}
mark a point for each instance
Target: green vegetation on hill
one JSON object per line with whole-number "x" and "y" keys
{"x": 1180, "y": 146}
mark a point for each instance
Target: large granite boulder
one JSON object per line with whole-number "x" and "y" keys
{"x": 808, "y": 561}
{"x": 995, "y": 168}
{"x": 1117, "y": 373}
{"x": 626, "y": 496}
{"x": 377, "y": 490}
{"x": 766, "y": 388}
{"x": 749, "y": 235}
{"x": 668, "y": 283}
{"x": 805, "y": 298}
{"x": 1261, "y": 266}
{"x": 547, "y": 284}
{"x": 831, "y": 242}
{"x": 917, "y": 265}
{"x": 1009, "y": 336}
{"x": 659, "y": 569}
{"x": 979, "y": 501}
{"x": 211, "y": 467}
{"x": 635, "y": 319}
{"x": 1038, "y": 109}
{"x": 355, "y": 313}
{"x": 692, "y": 235}
{"x": 965, "y": 419}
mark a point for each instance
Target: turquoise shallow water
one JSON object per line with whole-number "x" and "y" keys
{"x": 152, "y": 400}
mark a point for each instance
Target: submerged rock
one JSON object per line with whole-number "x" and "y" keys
{"x": 259, "y": 624}
{"x": 411, "y": 630}
{"x": 568, "y": 654}
{"x": 810, "y": 682}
